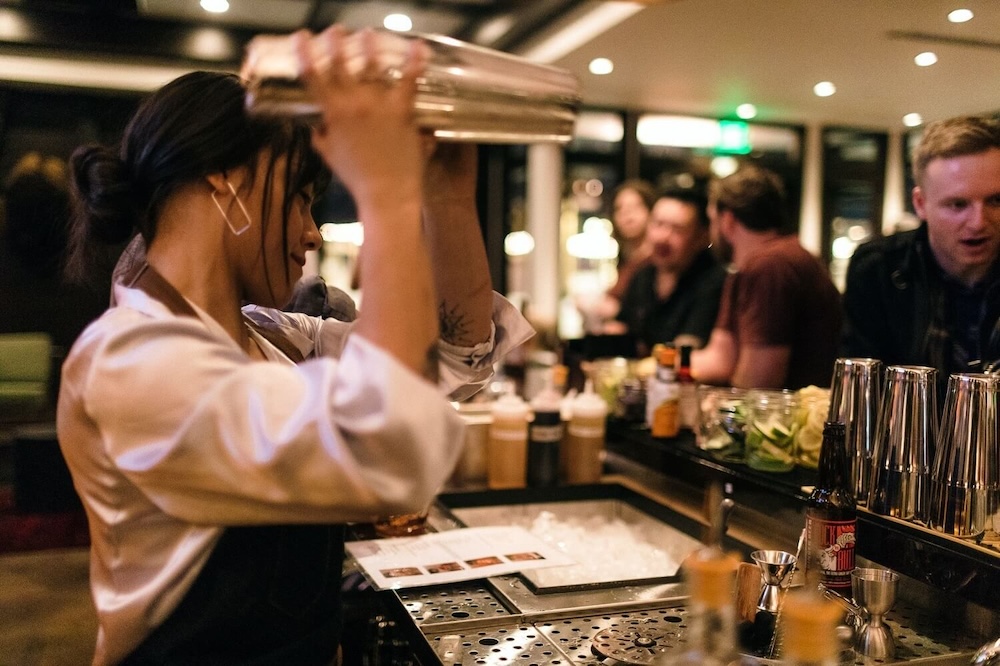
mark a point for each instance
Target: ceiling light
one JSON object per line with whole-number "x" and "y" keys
{"x": 824, "y": 89}
{"x": 746, "y": 111}
{"x": 215, "y": 6}
{"x": 397, "y": 23}
{"x": 87, "y": 73}
{"x": 518, "y": 244}
{"x": 601, "y": 66}
{"x": 913, "y": 119}
{"x": 960, "y": 15}
{"x": 724, "y": 165}
{"x": 925, "y": 59}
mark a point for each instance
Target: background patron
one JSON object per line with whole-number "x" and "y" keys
{"x": 931, "y": 296}
{"x": 676, "y": 292}
{"x": 780, "y": 316}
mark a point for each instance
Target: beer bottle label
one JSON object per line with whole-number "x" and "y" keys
{"x": 831, "y": 549}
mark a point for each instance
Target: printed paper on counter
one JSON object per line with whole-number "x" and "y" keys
{"x": 454, "y": 555}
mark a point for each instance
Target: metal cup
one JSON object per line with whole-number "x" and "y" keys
{"x": 874, "y": 592}
{"x": 964, "y": 477}
{"x": 855, "y": 397}
{"x": 775, "y": 569}
{"x": 904, "y": 443}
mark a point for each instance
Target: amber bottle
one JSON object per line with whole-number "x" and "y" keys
{"x": 831, "y": 515}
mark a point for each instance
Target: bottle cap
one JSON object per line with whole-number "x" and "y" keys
{"x": 809, "y": 626}
{"x": 667, "y": 356}
{"x": 548, "y": 399}
{"x": 566, "y": 405}
{"x": 588, "y": 404}
{"x": 510, "y": 405}
{"x": 711, "y": 576}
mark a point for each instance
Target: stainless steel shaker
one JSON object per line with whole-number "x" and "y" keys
{"x": 466, "y": 92}
{"x": 965, "y": 477}
{"x": 904, "y": 443}
{"x": 855, "y": 397}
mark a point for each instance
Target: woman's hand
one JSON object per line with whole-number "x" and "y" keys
{"x": 367, "y": 135}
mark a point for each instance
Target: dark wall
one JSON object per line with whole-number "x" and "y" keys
{"x": 56, "y": 121}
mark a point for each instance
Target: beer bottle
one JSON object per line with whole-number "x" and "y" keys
{"x": 831, "y": 515}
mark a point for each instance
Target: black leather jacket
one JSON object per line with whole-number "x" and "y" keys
{"x": 895, "y": 306}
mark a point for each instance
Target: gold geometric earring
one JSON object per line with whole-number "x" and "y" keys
{"x": 239, "y": 202}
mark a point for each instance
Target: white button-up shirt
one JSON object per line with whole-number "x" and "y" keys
{"x": 172, "y": 433}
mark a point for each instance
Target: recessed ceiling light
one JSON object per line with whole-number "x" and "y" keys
{"x": 397, "y": 23}
{"x": 824, "y": 89}
{"x": 746, "y": 111}
{"x": 960, "y": 15}
{"x": 925, "y": 59}
{"x": 601, "y": 66}
{"x": 215, "y": 6}
{"x": 913, "y": 119}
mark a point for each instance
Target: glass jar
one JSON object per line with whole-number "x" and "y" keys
{"x": 721, "y": 428}
{"x": 771, "y": 428}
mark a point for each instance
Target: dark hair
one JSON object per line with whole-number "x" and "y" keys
{"x": 692, "y": 196}
{"x": 37, "y": 213}
{"x": 193, "y": 126}
{"x": 755, "y": 196}
{"x": 954, "y": 137}
{"x": 640, "y": 187}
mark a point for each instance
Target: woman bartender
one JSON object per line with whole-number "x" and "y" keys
{"x": 213, "y": 469}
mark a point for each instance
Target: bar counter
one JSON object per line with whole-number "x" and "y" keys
{"x": 954, "y": 566}
{"x": 947, "y": 604}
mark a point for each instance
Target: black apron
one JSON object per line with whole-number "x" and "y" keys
{"x": 268, "y": 594}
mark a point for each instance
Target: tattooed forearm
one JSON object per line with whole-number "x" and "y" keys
{"x": 454, "y": 327}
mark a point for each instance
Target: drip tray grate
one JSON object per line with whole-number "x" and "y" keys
{"x": 428, "y": 606}
{"x": 500, "y": 638}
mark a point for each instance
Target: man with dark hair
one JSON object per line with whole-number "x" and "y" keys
{"x": 675, "y": 296}
{"x": 780, "y": 315}
{"x": 931, "y": 296}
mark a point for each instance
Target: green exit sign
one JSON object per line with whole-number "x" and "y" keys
{"x": 734, "y": 137}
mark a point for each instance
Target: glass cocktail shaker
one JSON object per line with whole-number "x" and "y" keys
{"x": 466, "y": 93}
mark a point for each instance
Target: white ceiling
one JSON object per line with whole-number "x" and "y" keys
{"x": 705, "y": 57}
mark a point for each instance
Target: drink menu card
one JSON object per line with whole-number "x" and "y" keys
{"x": 454, "y": 555}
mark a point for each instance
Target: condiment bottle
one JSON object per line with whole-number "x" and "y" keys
{"x": 507, "y": 446}
{"x": 808, "y": 630}
{"x": 688, "y": 395}
{"x": 663, "y": 396}
{"x": 585, "y": 436}
{"x": 831, "y": 515}
{"x": 545, "y": 434}
{"x": 711, "y": 622}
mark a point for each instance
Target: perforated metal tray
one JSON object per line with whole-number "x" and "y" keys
{"x": 506, "y": 638}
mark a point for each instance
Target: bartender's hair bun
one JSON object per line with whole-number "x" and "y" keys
{"x": 192, "y": 127}
{"x": 102, "y": 194}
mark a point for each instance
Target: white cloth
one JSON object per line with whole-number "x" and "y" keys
{"x": 172, "y": 433}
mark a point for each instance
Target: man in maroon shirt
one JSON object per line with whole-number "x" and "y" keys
{"x": 780, "y": 316}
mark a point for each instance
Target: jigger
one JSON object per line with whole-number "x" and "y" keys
{"x": 874, "y": 593}
{"x": 775, "y": 566}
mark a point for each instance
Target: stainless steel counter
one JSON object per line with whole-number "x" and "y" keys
{"x": 506, "y": 620}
